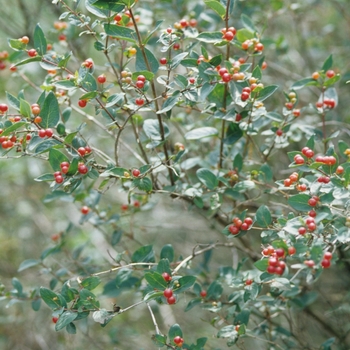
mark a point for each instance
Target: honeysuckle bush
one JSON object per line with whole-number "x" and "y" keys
{"x": 179, "y": 108}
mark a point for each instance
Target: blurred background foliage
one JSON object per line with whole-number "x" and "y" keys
{"x": 298, "y": 36}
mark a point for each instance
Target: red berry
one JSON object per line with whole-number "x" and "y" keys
{"x": 192, "y": 22}
{"x": 280, "y": 252}
{"x": 140, "y": 84}
{"x": 226, "y": 77}
{"x": 118, "y": 17}
{"x": 54, "y": 319}
{"x": 139, "y": 101}
{"x": 64, "y": 164}
{"x": 298, "y": 159}
{"x": 168, "y": 293}
{"x": 311, "y": 226}
{"x": 312, "y": 213}
{"x": 271, "y": 269}
{"x": 32, "y": 53}
{"x": 233, "y": 229}
{"x": 59, "y": 179}
{"x": 289, "y": 105}
{"x": 171, "y": 300}
{"x": 88, "y": 63}
{"x": 42, "y": 133}
{"x": 291, "y": 250}
{"x": 191, "y": 80}
{"x": 309, "y": 153}
{"x": 302, "y": 230}
{"x": 279, "y": 270}
{"x": 330, "y": 73}
{"x": 48, "y": 132}
{"x": 279, "y": 132}
{"x": 259, "y": 47}
{"x": 325, "y": 263}
{"x": 82, "y": 103}
{"x": 296, "y": 112}
{"x": 184, "y": 23}
{"x": 248, "y": 221}
{"x": 82, "y": 169}
{"x": 222, "y": 71}
{"x": 327, "y": 255}
{"x": 65, "y": 169}
{"x": 136, "y": 204}
{"x": 62, "y": 37}
{"x": 244, "y": 96}
{"x": 163, "y": 60}
{"x": 85, "y": 210}
{"x": 141, "y": 77}
{"x": 101, "y": 79}
{"x": 309, "y": 263}
{"x": 270, "y": 249}
{"x": 124, "y": 207}
{"x": 244, "y": 226}
{"x": 273, "y": 261}
{"x": 228, "y": 36}
{"x": 176, "y": 46}
{"x": 136, "y": 173}
{"x": 312, "y": 202}
{"x": 82, "y": 151}
{"x": 3, "y": 107}
{"x": 248, "y": 282}
{"x": 35, "y": 108}
{"x": 203, "y": 293}
{"x": 339, "y": 170}
{"x": 166, "y": 276}
{"x": 238, "y": 117}
{"x": 178, "y": 340}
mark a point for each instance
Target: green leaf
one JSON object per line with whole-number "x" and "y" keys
{"x": 65, "y": 319}
{"x": 299, "y": 202}
{"x": 257, "y": 73}
{"x": 207, "y": 178}
{"x": 122, "y": 33}
{"x": 144, "y": 254}
{"x": 233, "y": 134}
{"x": 266, "y": 92}
{"x": 140, "y": 65}
{"x": 56, "y": 158}
{"x": 193, "y": 303}
{"x": 152, "y": 129}
{"x": 159, "y": 340}
{"x": 175, "y": 331}
{"x": 163, "y": 266}
{"x": 303, "y": 82}
{"x": 185, "y": 282}
{"x": 155, "y": 280}
{"x": 116, "y": 171}
{"x": 110, "y": 5}
{"x": 91, "y": 283}
{"x": 26, "y": 264}
{"x": 51, "y": 299}
{"x": 50, "y": 112}
{"x": 169, "y": 103}
{"x": 263, "y": 216}
{"x": 175, "y": 61}
{"x": 16, "y": 44}
{"x": 13, "y": 101}
{"x": 244, "y": 34}
{"x": 17, "y": 285}
{"x": 242, "y": 317}
{"x": 238, "y": 162}
{"x": 167, "y": 252}
{"x": 208, "y": 37}
{"x": 328, "y": 63}
{"x": 12, "y": 128}
{"x": 89, "y": 95}
{"x": 89, "y": 82}
{"x": 25, "y": 108}
{"x": 217, "y": 7}
{"x": 28, "y": 60}
{"x": 143, "y": 184}
{"x": 65, "y": 84}
{"x": 71, "y": 329}
{"x": 200, "y": 133}
{"x": 40, "y": 43}
{"x": 248, "y": 23}
{"x": 243, "y": 186}
{"x": 261, "y": 264}
{"x": 214, "y": 290}
{"x": 149, "y": 36}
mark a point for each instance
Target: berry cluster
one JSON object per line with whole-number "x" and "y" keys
{"x": 313, "y": 201}
{"x": 253, "y": 45}
{"x": 45, "y": 133}
{"x": 168, "y": 294}
{"x": 239, "y": 225}
{"x": 140, "y": 82}
{"x": 327, "y": 160}
{"x": 245, "y": 93}
{"x": 228, "y": 33}
{"x": 275, "y": 264}
{"x": 184, "y": 23}
{"x": 310, "y": 224}
{"x": 83, "y": 151}
{"x": 291, "y": 180}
